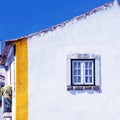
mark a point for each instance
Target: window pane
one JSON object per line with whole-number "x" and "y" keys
{"x": 90, "y": 72}
{"x": 90, "y": 79}
{"x": 86, "y": 79}
{"x": 79, "y": 64}
{"x": 90, "y": 64}
{"x": 79, "y": 79}
{"x": 75, "y": 64}
{"x": 86, "y": 72}
{"x": 86, "y": 64}
{"x": 75, "y": 79}
{"x": 79, "y": 72}
{"x": 75, "y": 72}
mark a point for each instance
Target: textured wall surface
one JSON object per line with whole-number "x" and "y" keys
{"x": 1, "y": 115}
{"x": 21, "y": 80}
{"x": 47, "y": 69}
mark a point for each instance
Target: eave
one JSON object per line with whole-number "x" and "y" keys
{"x": 8, "y": 43}
{"x": 63, "y": 24}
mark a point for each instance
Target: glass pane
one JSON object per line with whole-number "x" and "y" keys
{"x": 90, "y": 72}
{"x": 90, "y": 64}
{"x": 79, "y": 79}
{"x": 75, "y": 79}
{"x": 75, "y": 64}
{"x": 79, "y": 64}
{"x": 90, "y": 79}
{"x": 86, "y": 72}
{"x": 75, "y": 72}
{"x": 86, "y": 79}
{"x": 79, "y": 72}
{"x": 86, "y": 64}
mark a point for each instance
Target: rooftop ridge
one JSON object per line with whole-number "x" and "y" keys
{"x": 79, "y": 17}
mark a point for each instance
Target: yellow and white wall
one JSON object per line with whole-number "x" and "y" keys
{"x": 21, "y": 80}
{"x": 17, "y": 76}
{"x": 41, "y": 70}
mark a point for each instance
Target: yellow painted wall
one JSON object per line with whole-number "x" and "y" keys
{"x": 21, "y": 79}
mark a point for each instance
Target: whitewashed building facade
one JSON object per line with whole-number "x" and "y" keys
{"x": 70, "y": 71}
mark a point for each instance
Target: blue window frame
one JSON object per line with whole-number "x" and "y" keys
{"x": 83, "y": 72}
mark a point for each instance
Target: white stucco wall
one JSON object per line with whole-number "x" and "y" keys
{"x": 1, "y": 115}
{"x": 48, "y": 98}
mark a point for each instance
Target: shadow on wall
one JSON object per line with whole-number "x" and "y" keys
{"x": 74, "y": 92}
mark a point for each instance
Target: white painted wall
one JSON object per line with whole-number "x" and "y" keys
{"x": 48, "y": 98}
{"x": 13, "y": 78}
{"x": 1, "y": 114}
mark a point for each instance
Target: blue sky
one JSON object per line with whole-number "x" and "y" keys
{"x": 22, "y": 17}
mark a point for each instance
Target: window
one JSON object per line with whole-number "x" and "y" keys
{"x": 83, "y": 72}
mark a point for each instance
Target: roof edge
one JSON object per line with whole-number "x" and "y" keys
{"x": 79, "y": 17}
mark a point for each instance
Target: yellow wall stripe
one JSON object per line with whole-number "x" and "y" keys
{"x": 21, "y": 79}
